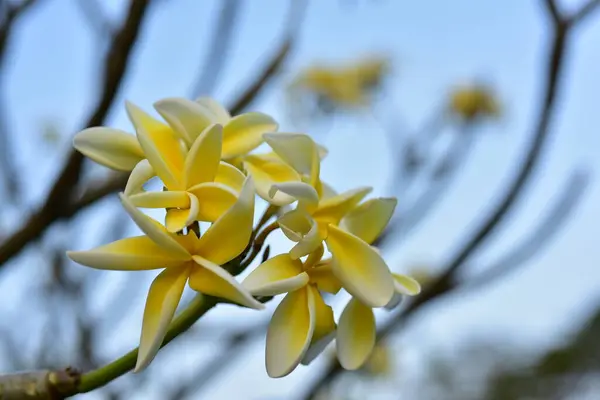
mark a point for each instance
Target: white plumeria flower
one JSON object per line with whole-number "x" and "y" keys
{"x": 190, "y": 259}
{"x": 346, "y": 227}
{"x": 302, "y": 325}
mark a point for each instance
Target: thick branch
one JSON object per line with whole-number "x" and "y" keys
{"x": 38, "y": 385}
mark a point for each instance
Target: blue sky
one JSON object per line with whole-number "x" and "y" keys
{"x": 433, "y": 45}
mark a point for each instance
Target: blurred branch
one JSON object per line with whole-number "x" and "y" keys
{"x": 47, "y": 215}
{"x": 114, "y": 69}
{"x": 219, "y": 49}
{"x": 232, "y": 348}
{"x": 443, "y": 172}
{"x": 96, "y": 18}
{"x": 293, "y": 23}
{"x": 563, "y": 207}
{"x": 10, "y": 15}
{"x": 446, "y": 281}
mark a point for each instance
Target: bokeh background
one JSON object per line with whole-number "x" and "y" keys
{"x": 435, "y": 102}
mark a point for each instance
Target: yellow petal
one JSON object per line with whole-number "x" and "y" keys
{"x": 155, "y": 231}
{"x": 277, "y": 275}
{"x": 356, "y": 335}
{"x": 214, "y": 200}
{"x": 406, "y": 285}
{"x": 307, "y": 196}
{"x": 369, "y": 219}
{"x": 163, "y": 199}
{"x": 141, "y": 174}
{"x": 324, "y": 328}
{"x": 220, "y": 114}
{"x": 163, "y": 298}
{"x": 211, "y": 279}
{"x": 177, "y": 219}
{"x": 290, "y": 332}
{"x": 229, "y": 175}
{"x": 161, "y": 147}
{"x": 202, "y": 161}
{"x": 333, "y": 209}
{"x": 297, "y": 149}
{"x": 299, "y": 227}
{"x": 129, "y": 254}
{"x": 187, "y": 118}
{"x": 229, "y": 235}
{"x": 267, "y": 171}
{"x": 322, "y": 276}
{"x": 112, "y": 148}
{"x": 362, "y": 271}
{"x": 243, "y": 133}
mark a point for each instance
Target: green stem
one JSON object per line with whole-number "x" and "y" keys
{"x": 103, "y": 375}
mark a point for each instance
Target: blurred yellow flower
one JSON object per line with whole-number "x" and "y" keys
{"x": 380, "y": 362}
{"x": 347, "y": 86}
{"x": 473, "y": 101}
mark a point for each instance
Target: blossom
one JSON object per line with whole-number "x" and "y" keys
{"x": 318, "y": 215}
{"x": 185, "y": 258}
{"x": 186, "y": 119}
{"x": 302, "y": 324}
{"x": 473, "y": 101}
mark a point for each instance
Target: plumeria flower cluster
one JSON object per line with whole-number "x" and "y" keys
{"x": 205, "y": 159}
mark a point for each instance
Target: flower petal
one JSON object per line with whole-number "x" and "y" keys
{"x": 229, "y": 235}
{"x": 369, "y": 219}
{"x": 214, "y": 200}
{"x": 298, "y": 226}
{"x": 243, "y": 133}
{"x": 396, "y": 300}
{"x": 204, "y": 157}
{"x": 361, "y": 269}
{"x": 187, "y": 118}
{"x": 327, "y": 191}
{"x": 221, "y": 115}
{"x": 324, "y": 328}
{"x": 177, "y": 219}
{"x": 267, "y": 170}
{"x": 161, "y": 147}
{"x": 277, "y": 275}
{"x": 290, "y": 332}
{"x": 406, "y": 285}
{"x": 335, "y": 208}
{"x": 112, "y": 148}
{"x": 213, "y": 280}
{"x": 229, "y": 175}
{"x": 141, "y": 174}
{"x": 307, "y": 196}
{"x": 322, "y": 276}
{"x": 356, "y": 335}
{"x": 297, "y": 149}
{"x": 163, "y": 298}
{"x": 155, "y": 231}
{"x": 163, "y": 199}
{"x": 129, "y": 254}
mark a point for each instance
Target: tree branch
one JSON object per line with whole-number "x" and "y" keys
{"x": 445, "y": 282}
{"x": 55, "y": 205}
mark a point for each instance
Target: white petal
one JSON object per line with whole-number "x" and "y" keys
{"x": 141, "y": 174}
{"x": 112, "y": 148}
{"x": 221, "y": 115}
{"x": 186, "y": 117}
{"x": 306, "y": 195}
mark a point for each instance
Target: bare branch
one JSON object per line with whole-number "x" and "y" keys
{"x": 585, "y": 11}
{"x": 552, "y": 9}
{"x": 55, "y": 207}
{"x": 38, "y": 385}
{"x": 564, "y": 206}
{"x": 295, "y": 17}
{"x": 219, "y": 50}
{"x": 445, "y": 282}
